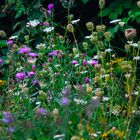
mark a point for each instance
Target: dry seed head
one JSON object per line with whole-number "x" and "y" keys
{"x": 130, "y": 33}
{"x": 101, "y": 4}
{"x": 70, "y": 28}
{"x": 107, "y": 35}
{"x": 138, "y": 4}
{"x": 90, "y": 26}
{"x": 100, "y": 28}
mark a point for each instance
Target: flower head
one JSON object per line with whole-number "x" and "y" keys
{"x": 51, "y": 6}
{"x": 20, "y": 76}
{"x": 53, "y": 53}
{"x": 7, "y": 117}
{"x": 1, "y": 61}
{"x": 24, "y": 50}
{"x": 32, "y": 54}
{"x": 33, "y": 23}
{"x": 41, "y": 112}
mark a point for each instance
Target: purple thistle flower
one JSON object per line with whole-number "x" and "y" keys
{"x": 11, "y": 129}
{"x": 24, "y": 50}
{"x": 7, "y": 117}
{"x": 32, "y": 54}
{"x": 87, "y": 80}
{"x": 51, "y": 6}
{"x": 31, "y": 73}
{"x": 20, "y": 76}
{"x": 53, "y": 53}
{"x": 1, "y": 61}
{"x": 65, "y": 101}
{"x": 74, "y": 62}
{"x": 92, "y": 62}
{"x": 35, "y": 82}
{"x": 10, "y": 42}
{"x": 84, "y": 63}
{"x": 41, "y": 112}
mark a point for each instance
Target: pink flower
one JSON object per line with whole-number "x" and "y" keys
{"x": 20, "y": 76}
{"x": 51, "y": 6}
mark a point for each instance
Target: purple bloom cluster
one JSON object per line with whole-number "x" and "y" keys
{"x": 50, "y": 8}
{"x": 21, "y": 76}
{"x": 7, "y": 117}
{"x": 24, "y": 50}
{"x": 41, "y": 112}
{"x": 1, "y": 61}
{"x": 10, "y": 42}
{"x": 53, "y": 53}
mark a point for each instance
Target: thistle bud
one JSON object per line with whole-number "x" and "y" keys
{"x": 90, "y": 26}
{"x": 101, "y": 4}
{"x": 138, "y": 4}
{"x": 55, "y": 112}
{"x": 130, "y": 33}
{"x": 85, "y": 45}
{"x": 2, "y": 33}
{"x": 107, "y": 35}
{"x": 100, "y": 28}
{"x": 75, "y": 138}
{"x": 70, "y": 28}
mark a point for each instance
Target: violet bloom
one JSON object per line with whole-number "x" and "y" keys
{"x": 32, "y": 54}
{"x": 74, "y": 62}
{"x": 20, "y": 76}
{"x": 45, "y": 23}
{"x": 66, "y": 91}
{"x": 33, "y": 67}
{"x": 53, "y": 53}
{"x": 24, "y": 50}
{"x": 11, "y": 129}
{"x": 1, "y": 61}
{"x": 84, "y": 63}
{"x": 31, "y": 73}
{"x": 7, "y": 117}
{"x": 87, "y": 80}
{"x": 41, "y": 112}
{"x": 92, "y": 62}
{"x": 10, "y": 42}
{"x": 51, "y": 6}
{"x": 35, "y": 82}
{"x": 65, "y": 101}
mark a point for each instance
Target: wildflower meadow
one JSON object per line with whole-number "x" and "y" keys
{"x": 66, "y": 79}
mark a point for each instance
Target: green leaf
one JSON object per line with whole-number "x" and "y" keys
{"x": 104, "y": 12}
{"x": 113, "y": 16}
{"x": 3, "y": 43}
{"x": 85, "y": 1}
{"x": 118, "y": 10}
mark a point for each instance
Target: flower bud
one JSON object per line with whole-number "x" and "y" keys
{"x": 90, "y": 26}
{"x": 55, "y": 112}
{"x": 85, "y": 45}
{"x": 101, "y": 3}
{"x": 2, "y": 33}
{"x": 107, "y": 35}
{"x": 70, "y": 28}
{"x": 100, "y": 28}
{"x": 138, "y": 4}
{"x": 130, "y": 33}
{"x": 75, "y": 138}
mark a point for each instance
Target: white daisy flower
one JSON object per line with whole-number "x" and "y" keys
{"x": 115, "y": 21}
{"x": 48, "y": 29}
{"x": 105, "y": 99}
{"x": 75, "y": 21}
{"x": 33, "y": 23}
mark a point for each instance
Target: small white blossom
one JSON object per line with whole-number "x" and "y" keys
{"x": 33, "y": 23}
{"x": 108, "y": 50}
{"x": 13, "y": 37}
{"x": 80, "y": 101}
{"x": 75, "y": 21}
{"x": 121, "y": 23}
{"x": 105, "y": 99}
{"x": 136, "y": 58}
{"x": 115, "y": 21}
{"x": 88, "y": 37}
{"x": 135, "y": 93}
{"x": 48, "y": 29}
{"x": 59, "y": 136}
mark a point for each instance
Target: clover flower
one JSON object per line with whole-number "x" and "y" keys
{"x": 10, "y": 42}
{"x": 31, "y": 73}
{"x": 20, "y": 76}
{"x": 24, "y": 50}
{"x": 33, "y": 23}
{"x": 50, "y": 6}
{"x": 48, "y": 29}
{"x": 92, "y": 62}
{"x": 65, "y": 101}
{"x": 53, "y": 53}
{"x": 32, "y": 54}
{"x": 41, "y": 112}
